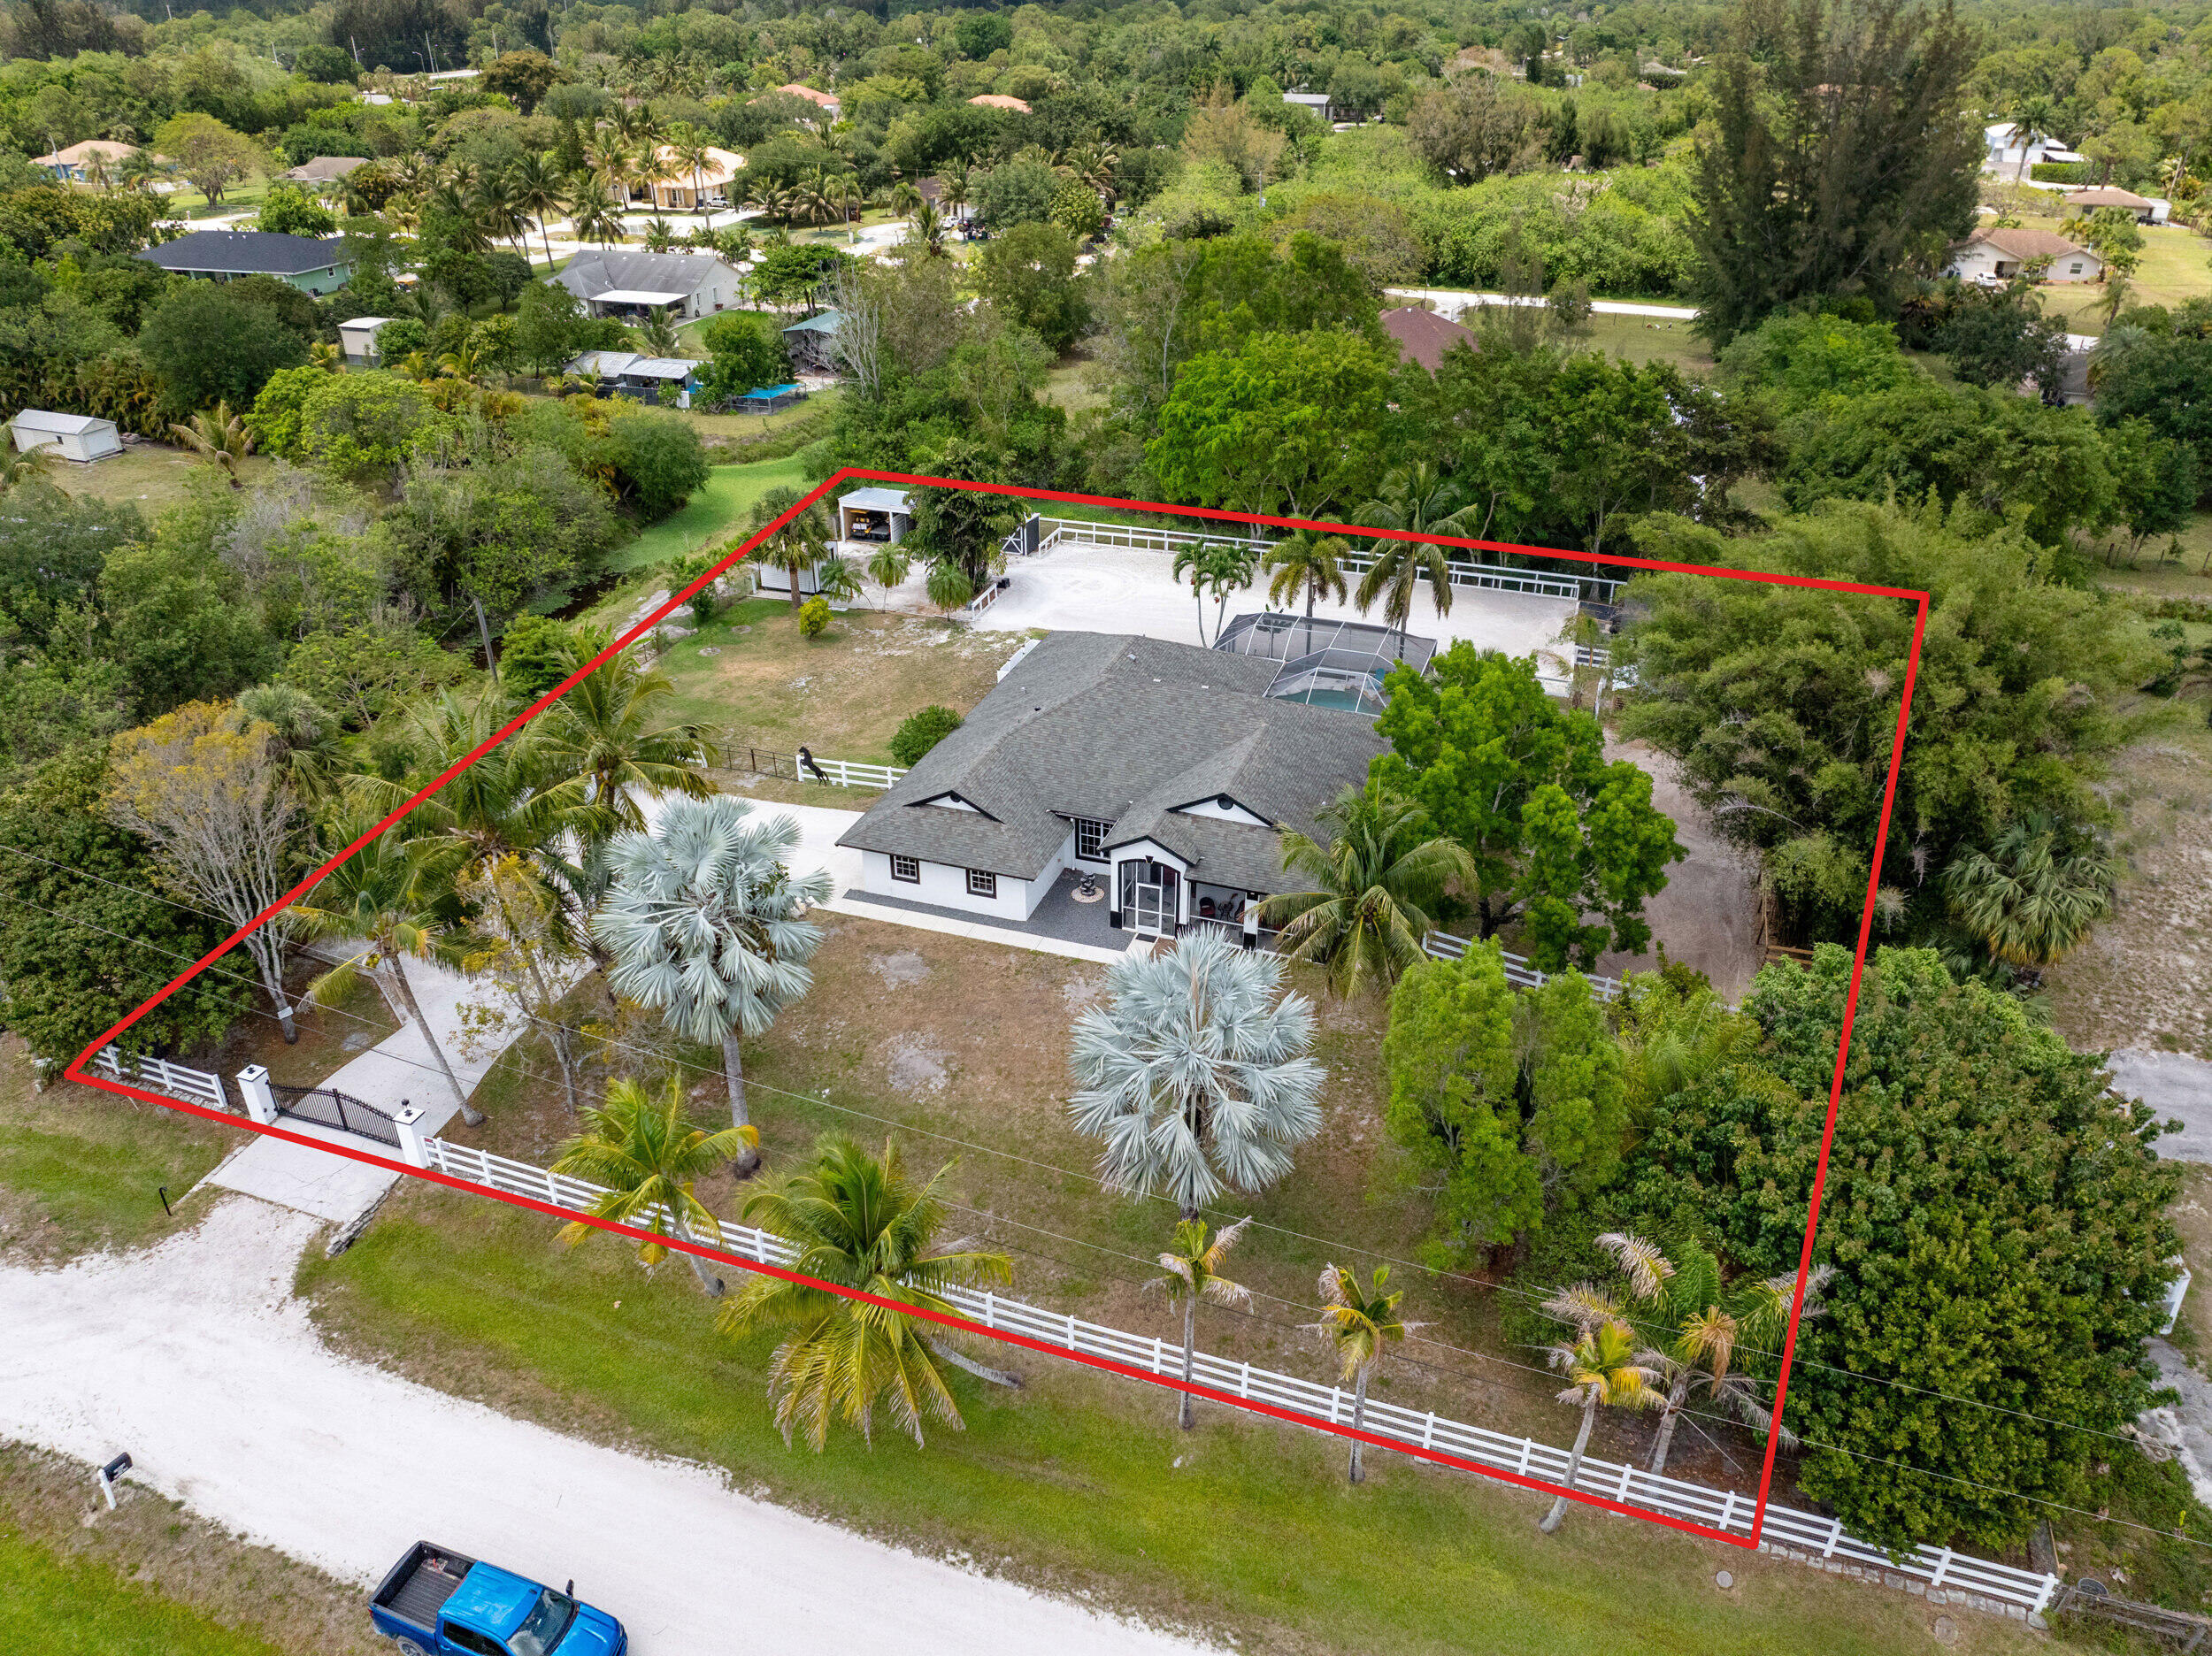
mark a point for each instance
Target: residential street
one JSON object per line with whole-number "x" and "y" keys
{"x": 195, "y": 1358}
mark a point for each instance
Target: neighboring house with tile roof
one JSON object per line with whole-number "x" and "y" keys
{"x": 69, "y": 164}
{"x": 1424, "y": 336}
{"x": 2144, "y": 209}
{"x": 822, "y": 101}
{"x": 316, "y": 265}
{"x": 1995, "y": 255}
{"x": 1167, "y": 770}
{"x": 999, "y": 100}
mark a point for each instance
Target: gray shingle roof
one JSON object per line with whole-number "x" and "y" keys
{"x": 590, "y": 274}
{"x": 247, "y": 253}
{"x": 1124, "y": 730}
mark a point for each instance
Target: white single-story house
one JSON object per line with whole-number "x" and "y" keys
{"x": 78, "y": 437}
{"x": 1165, "y": 770}
{"x": 1996, "y": 256}
{"x": 358, "y": 339}
{"x": 632, "y": 284}
{"x": 1317, "y": 102}
{"x": 315, "y": 265}
{"x": 654, "y": 380}
{"x": 2006, "y": 150}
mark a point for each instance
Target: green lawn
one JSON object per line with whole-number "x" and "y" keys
{"x": 712, "y": 518}
{"x": 1080, "y": 1482}
{"x": 81, "y": 1169}
{"x": 60, "y": 1608}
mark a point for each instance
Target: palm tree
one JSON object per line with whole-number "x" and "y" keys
{"x": 220, "y": 436}
{"x": 688, "y": 149}
{"x": 614, "y": 742}
{"x": 497, "y": 206}
{"x": 955, "y": 184}
{"x": 905, "y": 199}
{"x": 649, "y": 1153}
{"x": 1708, "y": 1323}
{"x": 539, "y": 191}
{"x": 1220, "y": 566}
{"x": 19, "y": 466}
{"x": 2031, "y": 113}
{"x": 1193, "y": 1273}
{"x": 1194, "y": 1075}
{"x": 800, "y": 545}
{"x": 1367, "y": 914}
{"x": 1601, "y": 1368}
{"x": 1358, "y": 1324}
{"x": 378, "y": 897}
{"x": 889, "y": 566}
{"x": 861, "y": 1223}
{"x": 464, "y": 362}
{"x": 592, "y": 214}
{"x": 2032, "y": 896}
{"x": 1308, "y": 561}
{"x": 658, "y": 331}
{"x": 702, "y": 920}
{"x": 1415, "y": 499}
{"x": 927, "y": 231}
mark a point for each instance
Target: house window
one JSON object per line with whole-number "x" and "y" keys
{"x": 907, "y": 869}
{"x": 982, "y": 884}
{"x": 2074, "y": 268}
{"x": 1089, "y": 837}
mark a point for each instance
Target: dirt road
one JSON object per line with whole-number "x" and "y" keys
{"x": 196, "y": 1358}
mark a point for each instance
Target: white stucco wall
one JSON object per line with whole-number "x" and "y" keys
{"x": 945, "y": 887}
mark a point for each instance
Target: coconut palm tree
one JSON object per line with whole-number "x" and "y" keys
{"x": 927, "y": 230}
{"x": 861, "y": 1224}
{"x": 905, "y": 199}
{"x": 1221, "y": 567}
{"x": 592, "y": 213}
{"x": 1603, "y": 1371}
{"x": 689, "y": 150}
{"x": 615, "y": 744}
{"x": 1368, "y": 911}
{"x": 1194, "y": 1074}
{"x": 1416, "y": 499}
{"x": 702, "y": 918}
{"x": 2031, "y": 113}
{"x": 379, "y": 898}
{"x": 644, "y": 1147}
{"x": 218, "y": 436}
{"x": 800, "y": 545}
{"x": 2032, "y": 896}
{"x": 497, "y": 207}
{"x": 1192, "y": 1266}
{"x": 1309, "y": 561}
{"x": 955, "y": 185}
{"x": 1359, "y": 1324}
{"x": 889, "y": 566}
{"x": 539, "y": 192}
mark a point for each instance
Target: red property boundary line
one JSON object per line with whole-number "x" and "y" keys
{"x": 78, "y": 1072}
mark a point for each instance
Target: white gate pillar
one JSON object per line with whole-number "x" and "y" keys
{"x": 408, "y": 1120}
{"x": 253, "y": 1086}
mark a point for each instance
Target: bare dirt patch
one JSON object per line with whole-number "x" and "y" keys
{"x": 912, "y": 1067}
{"x": 900, "y": 967}
{"x": 2145, "y": 977}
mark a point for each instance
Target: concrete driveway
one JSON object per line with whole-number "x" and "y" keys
{"x": 2179, "y": 1088}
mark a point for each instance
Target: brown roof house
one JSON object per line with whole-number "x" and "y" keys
{"x": 323, "y": 169}
{"x": 1995, "y": 255}
{"x": 1422, "y": 336}
{"x": 999, "y": 100}
{"x": 822, "y": 101}
{"x": 2145, "y": 210}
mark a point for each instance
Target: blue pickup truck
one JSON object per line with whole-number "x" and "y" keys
{"x": 434, "y": 1602}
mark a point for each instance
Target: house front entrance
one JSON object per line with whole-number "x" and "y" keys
{"x": 1150, "y": 898}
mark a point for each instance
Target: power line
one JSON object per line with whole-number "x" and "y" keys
{"x": 824, "y": 1102}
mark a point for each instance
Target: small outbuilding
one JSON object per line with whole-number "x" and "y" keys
{"x": 874, "y": 515}
{"x": 2142, "y": 209}
{"x": 1422, "y": 336}
{"x": 78, "y": 437}
{"x": 358, "y": 339}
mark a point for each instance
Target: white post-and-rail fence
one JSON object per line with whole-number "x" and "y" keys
{"x": 836, "y": 772}
{"x": 1465, "y": 571}
{"x": 1819, "y": 1541}
{"x": 158, "y": 1074}
{"x": 1518, "y": 972}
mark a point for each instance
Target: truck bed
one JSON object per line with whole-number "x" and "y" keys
{"x": 421, "y": 1582}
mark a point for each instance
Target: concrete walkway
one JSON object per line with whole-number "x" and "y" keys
{"x": 196, "y": 1358}
{"x": 400, "y": 1069}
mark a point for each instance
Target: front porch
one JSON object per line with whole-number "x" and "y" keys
{"x": 1062, "y": 919}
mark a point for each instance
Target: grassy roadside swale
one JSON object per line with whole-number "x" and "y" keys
{"x": 1080, "y": 1483}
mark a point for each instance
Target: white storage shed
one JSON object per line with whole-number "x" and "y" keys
{"x": 359, "y": 337}
{"x": 78, "y": 437}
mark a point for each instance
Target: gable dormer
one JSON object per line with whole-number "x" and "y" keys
{"x": 950, "y": 800}
{"x": 1222, "y": 808}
